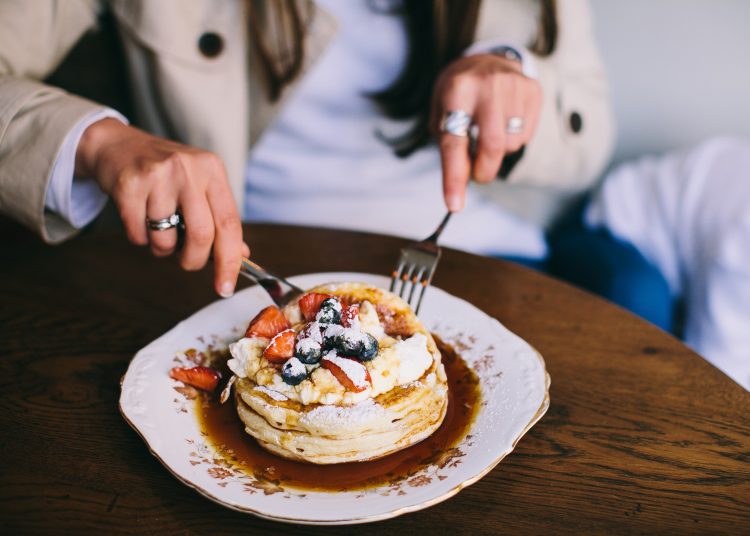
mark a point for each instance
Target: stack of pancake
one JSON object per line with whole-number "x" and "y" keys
{"x": 384, "y": 418}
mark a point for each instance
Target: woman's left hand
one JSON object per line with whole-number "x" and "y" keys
{"x": 492, "y": 90}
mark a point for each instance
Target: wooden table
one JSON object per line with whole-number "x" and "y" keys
{"x": 642, "y": 435}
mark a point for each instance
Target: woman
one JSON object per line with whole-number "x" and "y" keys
{"x": 315, "y": 113}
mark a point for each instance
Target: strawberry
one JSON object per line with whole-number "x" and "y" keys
{"x": 201, "y": 377}
{"x": 338, "y": 370}
{"x": 309, "y": 304}
{"x": 281, "y": 347}
{"x": 349, "y": 313}
{"x": 267, "y": 323}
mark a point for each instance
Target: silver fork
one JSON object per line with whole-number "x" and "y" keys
{"x": 279, "y": 289}
{"x": 416, "y": 266}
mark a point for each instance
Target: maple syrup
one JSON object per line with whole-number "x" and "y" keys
{"x": 224, "y": 429}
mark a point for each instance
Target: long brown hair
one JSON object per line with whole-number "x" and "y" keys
{"x": 439, "y": 31}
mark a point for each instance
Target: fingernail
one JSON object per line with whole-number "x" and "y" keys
{"x": 227, "y": 289}
{"x": 455, "y": 202}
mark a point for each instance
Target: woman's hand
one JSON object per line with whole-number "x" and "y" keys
{"x": 491, "y": 89}
{"x": 150, "y": 177}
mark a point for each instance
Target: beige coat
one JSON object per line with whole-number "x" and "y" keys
{"x": 218, "y": 103}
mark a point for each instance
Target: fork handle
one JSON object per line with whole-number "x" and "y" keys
{"x": 277, "y": 287}
{"x": 434, "y": 236}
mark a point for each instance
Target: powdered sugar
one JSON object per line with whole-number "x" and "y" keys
{"x": 354, "y": 370}
{"x": 333, "y": 330}
{"x": 350, "y": 335}
{"x": 334, "y": 304}
{"x": 312, "y": 331}
{"x": 331, "y": 415}
{"x": 295, "y": 367}
{"x": 271, "y": 393}
{"x": 305, "y": 346}
{"x": 279, "y": 334}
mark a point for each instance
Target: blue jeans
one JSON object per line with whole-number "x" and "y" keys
{"x": 598, "y": 262}
{"x": 615, "y": 270}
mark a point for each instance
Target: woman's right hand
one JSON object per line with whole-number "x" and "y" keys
{"x": 150, "y": 177}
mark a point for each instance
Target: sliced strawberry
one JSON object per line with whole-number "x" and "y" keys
{"x": 267, "y": 323}
{"x": 310, "y": 304}
{"x": 359, "y": 379}
{"x": 349, "y": 313}
{"x": 281, "y": 347}
{"x": 201, "y": 377}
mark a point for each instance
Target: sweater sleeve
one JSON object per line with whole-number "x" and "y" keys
{"x": 35, "y": 119}
{"x": 575, "y": 132}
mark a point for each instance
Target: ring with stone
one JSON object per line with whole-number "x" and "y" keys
{"x": 456, "y": 123}
{"x": 514, "y": 125}
{"x": 164, "y": 224}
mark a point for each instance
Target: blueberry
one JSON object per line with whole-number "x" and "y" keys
{"x": 369, "y": 347}
{"x": 330, "y": 312}
{"x": 331, "y": 336}
{"x": 350, "y": 343}
{"x": 308, "y": 351}
{"x": 294, "y": 372}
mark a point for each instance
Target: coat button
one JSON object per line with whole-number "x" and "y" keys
{"x": 210, "y": 44}
{"x": 576, "y": 122}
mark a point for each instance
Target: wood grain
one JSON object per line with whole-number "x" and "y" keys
{"x": 642, "y": 434}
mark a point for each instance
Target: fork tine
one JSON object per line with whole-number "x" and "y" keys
{"x": 405, "y": 278}
{"x": 416, "y": 266}
{"x": 396, "y": 275}
{"x": 424, "y": 284}
{"x": 417, "y": 277}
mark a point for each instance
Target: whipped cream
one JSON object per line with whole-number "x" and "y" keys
{"x": 246, "y": 354}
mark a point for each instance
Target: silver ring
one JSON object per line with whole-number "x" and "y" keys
{"x": 514, "y": 125}
{"x": 456, "y": 123}
{"x": 165, "y": 223}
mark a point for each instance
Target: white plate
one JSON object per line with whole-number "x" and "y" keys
{"x": 515, "y": 395}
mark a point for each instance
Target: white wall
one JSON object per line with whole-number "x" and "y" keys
{"x": 679, "y": 70}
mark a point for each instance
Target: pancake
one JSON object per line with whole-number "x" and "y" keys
{"x": 324, "y": 421}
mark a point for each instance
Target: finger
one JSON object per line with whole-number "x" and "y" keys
{"x": 161, "y": 204}
{"x": 517, "y": 135}
{"x": 228, "y": 237}
{"x": 491, "y": 144}
{"x": 532, "y": 107}
{"x": 459, "y": 94}
{"x": 454, "y": 156}
{"x": 132, "y": 207}
{"x": 199, "y": 229}
{"x": 245, "y": 250}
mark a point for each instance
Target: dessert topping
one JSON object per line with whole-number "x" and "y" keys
{"x": 267, "y": 323}
{"x": 313, "y": 331}
{"x": 350, "y": 316}
{"x": 310, "y": 303}
{"x": 294, "y": 372}
{"x": 330, "y": 312}
{"x": 275, "y": 395}
{"x": 369, "y": 349}
{"x": 201, "y": 377}
{"x": 308, "y": 351}
{"x": 281, "y": 347}
{"x": 349, "y": 372}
